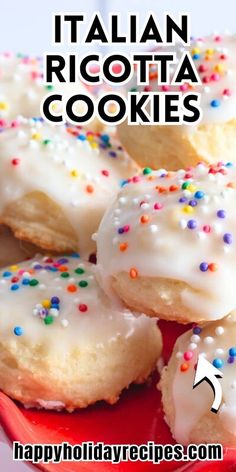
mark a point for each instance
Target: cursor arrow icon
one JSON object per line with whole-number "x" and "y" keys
{"x": 206, "y": 371}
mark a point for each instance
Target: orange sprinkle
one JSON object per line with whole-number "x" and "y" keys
{"x": 144, "y": 219}
{"x": 153, "y": 75}
{"x": 231, "y": 185}
{"x": 72, "y": 288}
{"x": 173, "y": 188}
{"x": 89, "y": 189}
{"x": 162, "y": 189}
{"x": 184, "y": 367}
{"x": 63, "y": 269}
{"x": 123, "y": 247}
{"x": 133, "y": 273}
{"x": 213, "y": 267}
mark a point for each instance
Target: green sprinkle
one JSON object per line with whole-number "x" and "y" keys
{"x": 33, "y": 282}
{"x": 49, "y": 87}
{"x": 147, "y": 170}
{"x": 65, "y": 275}
{"x": 47, "y": 141}
{"x": 48, "y": 320}
{"x": 83, "y": 283}
{"x": 79, "y": 271}
{"x": 185, "y": 185}
{"x": 133, "y": 89}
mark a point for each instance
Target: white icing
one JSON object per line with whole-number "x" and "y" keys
{"x": 174, "y": 251}
{"x": 62, "y": 169}
{"x": 91, "y": 319}
{"x": 191, "y": 405}
{"x": 22, "y": 86}
{"x": 218, "y": 46}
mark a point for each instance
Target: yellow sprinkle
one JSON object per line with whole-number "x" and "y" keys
{"x": 90, "y": 137}
{"x": 195, "y": 51}
{"x": 74, "y": 173}
{"x": 94, "y": 145}
{"x": 46, "y": 303}
{"x": 210, "y": 52}
{"x": 14, "y": 268}
{"x": 36, "y": 136}
{"x": 219, "y": 68}
{"x": 188, "y": 209}
{"x": 4, "y": 106}
{"x": 192, "y": 188}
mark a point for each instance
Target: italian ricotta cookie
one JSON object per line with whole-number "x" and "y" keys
{"x": 213, "y": 138}
{"x": 13, "y": 250}
{"x": 166, "y": 246}
{"x": 187, "y": 410}
{"x": 62, "y": 343}
{"x": 22, "y": 88}
{"x": 57, "y": 181}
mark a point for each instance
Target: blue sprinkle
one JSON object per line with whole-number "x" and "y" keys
{"x": 15, "y": 287}
{"x": 221, "y": 213}
{"x": 218, "y": 363}
{"x": 81, "y": 137}
{"x": 7, "y": 274}
{"x": 229, "y": 164}
{"x": 75, "y": 255}
{"x": 105, "y": 138}
{"x": 232, "y": 351}
{"x": 55, "y": 305}
{"x": 124, "y": 182}
{"x": 199, "y": 194}
{"x": 215, "y": 103}
{"x": 18, "y": 331}
{"x": 121, "y": 230}
{"x": 63, "y": 260}
{"x": 25, "y": 282}
{"x": 196, "y": 56}
{"x": 192, "y": 224}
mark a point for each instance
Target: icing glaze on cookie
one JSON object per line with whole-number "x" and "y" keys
{"x": 216, "y": 342}
{"x": 179, "y": 226}
{"x": 57, "y": 302}
{"x": 22, "y": 86}
{"x": 214, "y": 59}
{"x": 81, "y": 171}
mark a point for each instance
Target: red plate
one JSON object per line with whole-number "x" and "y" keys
{"x": 136, "y": 418}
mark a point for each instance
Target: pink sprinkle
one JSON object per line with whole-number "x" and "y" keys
{"x": 215, "y": 77}
{"x": 3, "y": 123}
{"x": 203, "y": 68}
{"x": 126, "y": 228}
{"x": 218, "y": 38}
{"x": 206, "y": 79}
{"x": 136, "y": 178}
{"x": 227, "y": 92}
{"x": 207, "y": 228}
{"x": 15, "y": 161}
{"x": 105, "y": 172}
{"x": 158, "y": 206}
{"x": 223, "y": 57}
{"x": 188, "y": 355}
{"x": 183, "y": 87}
{"x": 165, "y": 88}
{"x": 147, "y": 88}
{"x": 15, "y": 124}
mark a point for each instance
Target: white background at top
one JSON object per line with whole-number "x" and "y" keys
{"x": 26, "y": 24}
